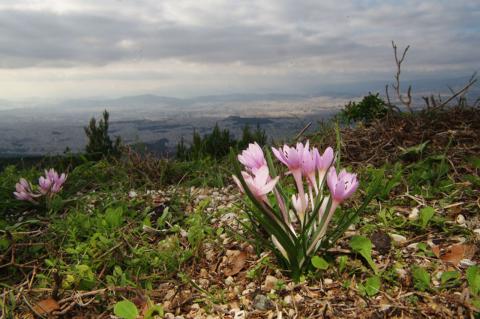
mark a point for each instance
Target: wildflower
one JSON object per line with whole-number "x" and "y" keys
{"x": 341, "y": 186}
{"x": 252, "y": 158}
{"x": 24, "y": 191}
{"x": 309, "y": 165}
{"x": 260, "y": 184}
{"x": 323, "y": 162}
{"x": 51, "y": 183}
{"x": 292, "y": 158}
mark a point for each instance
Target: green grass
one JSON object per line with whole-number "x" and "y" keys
{"x": 95, "y": 235}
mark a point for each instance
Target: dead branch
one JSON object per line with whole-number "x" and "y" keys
{"x": 391, "y": 106}
{"x": 303, "y": 131}
{"x": 407, "y": 101}
{"x": 461, "y": 92}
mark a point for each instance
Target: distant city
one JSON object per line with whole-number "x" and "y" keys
{"x": 160, "y": 122}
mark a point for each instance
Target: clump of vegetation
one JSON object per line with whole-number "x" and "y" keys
{"x": 217, "y": 144}
{"x": 99, "y": 142}
{"x": 370, "y": 108}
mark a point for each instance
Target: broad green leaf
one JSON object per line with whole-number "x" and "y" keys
{"x": 449, "y": 276}
{"x": 125, "y": 309}
{"x": 363, "y": 246}
{"x": 421, "y": 278}
{"x": 425, "y": 216}
{"x": 114, "y": 217}
{"x": 473, "y": 278}
{"x": 156, "y": 310}
{"x": 372, "y": 286}
{"x": 319, "y": 263}
{"x": 342, "y": 263}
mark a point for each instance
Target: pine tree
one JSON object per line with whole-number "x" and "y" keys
{"x": 99, "y": 143}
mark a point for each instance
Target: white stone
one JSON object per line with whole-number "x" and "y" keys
{"x": 328, "y": 281}
{"x": 229, "y": 281}
{"x": 414, "y": 214}
{"x": 298, "y": 298}
{"x": 195, "y": 307}
{"x": 241, "y": 314}
{"x": 413, "y": 246}
{"x": 269, "y": 283}
{"x": 477, "y": 232}
{"x": 398, "y": 238}
{"x": 460, "y": 219}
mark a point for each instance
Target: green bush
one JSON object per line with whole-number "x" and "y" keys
{"x": 99, "y": 142}
{"x": 371, "y": 107}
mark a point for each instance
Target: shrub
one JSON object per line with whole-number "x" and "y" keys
{"x": 371, "y": 107}
{"x": 99, "y": 142}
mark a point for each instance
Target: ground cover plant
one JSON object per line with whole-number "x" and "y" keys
{"x": 136, "y": 236}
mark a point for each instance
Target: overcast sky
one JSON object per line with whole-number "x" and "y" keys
{"x": 83, "y": 48}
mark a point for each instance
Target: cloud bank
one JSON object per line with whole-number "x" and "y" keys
{"x": 80, "y": 48}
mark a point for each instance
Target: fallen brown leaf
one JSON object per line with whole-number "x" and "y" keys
{"x": 235, "y": 263}
{"x": 454, "y": 253}
{"x": 46, "y": 306}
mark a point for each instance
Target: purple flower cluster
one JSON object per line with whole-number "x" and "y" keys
{"x": 48, "y": 185}
{"x": 308, "y": 168}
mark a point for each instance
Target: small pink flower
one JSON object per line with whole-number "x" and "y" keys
{"x": 252, "y": 158}
{"x": 24, "y": 191}
{"x": 323, "y": 162}
{"x": 309, "y": 165}
{"x": 260, "y": 184}
{"x": 51, "y": 183}
{"x": 290, "y": 156}
{"x": 293, "y": 159}
{"x": 341, "y": 186}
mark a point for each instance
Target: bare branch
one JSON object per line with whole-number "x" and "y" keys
{"x": 392, "y": 107}
{"x": 407, "y": 101}
{"x": 471, "y": 82}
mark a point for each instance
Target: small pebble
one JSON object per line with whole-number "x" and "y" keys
{"x": 269, "y": 283}
{"x": 460, "y": 219}
{"x": 477, "y": 232}
{"x": 298, "y": 298}
{"x": 413, "y": 246}
{"x": 195, "y": 307}
{"x": 241, "y": 314}
{"x": 398, "y": 238}
{"x": 262, "y": 302}
{"x": 414, "y": 214}
{"x": 328, "y": 281}
{"x": 229, "y": 281}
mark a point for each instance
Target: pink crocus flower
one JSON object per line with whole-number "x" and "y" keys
{"x": 309, "y": 165}
{"x": 341, "y": 186}
{"x": 23, "y": 191}
{"x": 51, "y": 183}
{"x": 292, "y": 158}
{"x": 260, "y": 184}
{"x": 323, "y": 163}
{"x": 252, "y": 158}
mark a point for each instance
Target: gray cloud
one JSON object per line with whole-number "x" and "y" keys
{"x": 277, "y": 38}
